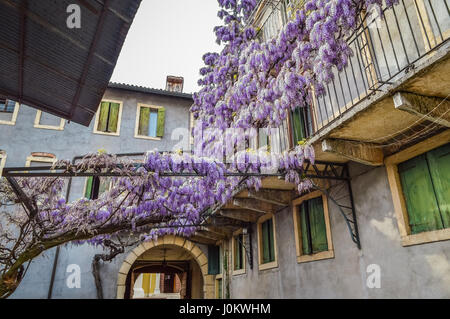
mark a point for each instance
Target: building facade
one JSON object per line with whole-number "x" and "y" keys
{"x": 130, "y": 119}
{"x": 383, "y": 231}
{"x": 376, "y": 226}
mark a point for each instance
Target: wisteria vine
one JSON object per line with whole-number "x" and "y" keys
{"x": 249, "y": 84}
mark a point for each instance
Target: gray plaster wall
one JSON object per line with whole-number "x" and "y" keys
{"x": 23, "y": 138}
{"x": 421, "y": 271}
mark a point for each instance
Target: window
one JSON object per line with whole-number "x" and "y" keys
{"x": 419, "y": 178}
{"x": 301, "y": 124}
{"x": 425, "y": 181}
{"x": 37, "y": 158}
{"x": 8, "y": 112}
{"x": 238, "y": 250}
{"x": 48, "y": 121}
{"x": 150, "y": 122}
{"x": 267, "y": 242}
{"x": 96, "y": 186}
{"x": 214, "y": 266}
{"x": 108, "y": 118}
{"x": 2, "y": 161}
{"x": 312, "y": 228}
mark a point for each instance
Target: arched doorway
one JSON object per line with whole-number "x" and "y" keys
{"x": 175, "y": 261}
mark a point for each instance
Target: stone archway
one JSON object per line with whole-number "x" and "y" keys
{"x": 193, "y": 249}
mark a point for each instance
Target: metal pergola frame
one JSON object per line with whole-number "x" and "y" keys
{"x": 328, "y": 171}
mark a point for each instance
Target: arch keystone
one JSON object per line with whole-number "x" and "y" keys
{"x": 169, "y": 240}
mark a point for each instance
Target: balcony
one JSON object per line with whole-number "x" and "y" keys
{"x": 405, "y": 52}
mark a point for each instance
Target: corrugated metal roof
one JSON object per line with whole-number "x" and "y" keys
{"x": 144, "y": 89}
{"x": 62, "y": 71}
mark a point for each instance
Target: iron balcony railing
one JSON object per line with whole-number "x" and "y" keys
{"x": 386, "y": 45}
{"x": 384, "y": 50}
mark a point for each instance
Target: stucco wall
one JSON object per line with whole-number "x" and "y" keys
{"x": 21, "y": 139}
{"x": 421, "y": 271}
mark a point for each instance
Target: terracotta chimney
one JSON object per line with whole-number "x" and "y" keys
{"x": 174, "y": 83}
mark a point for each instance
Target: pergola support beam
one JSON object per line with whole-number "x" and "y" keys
{"x": 271, "y": 196}
{"x": 433, "y": 109}
{"x": 241, "y": 215}
{"x": 360, "y": 152}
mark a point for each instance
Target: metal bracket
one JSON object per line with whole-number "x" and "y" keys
{"x": 346, "y": 206}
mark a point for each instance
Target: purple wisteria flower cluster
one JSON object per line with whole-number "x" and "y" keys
{"x": 148, "y": 199}
{"x": 255, "y": 84}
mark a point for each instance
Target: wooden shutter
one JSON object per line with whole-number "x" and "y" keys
{"x": 421, "y": 204}
{"x": 103, "y": 117}
{"x": 265, "y": 242}
{"x": 113, "y": 117}
{"x": 303, "y": 229}
{"x": 161, "y": 121}
{"x": 213, "y": 260}
{"x": 439, "y": 163}
{"x": 88, "y": 191}
{"x": 144, "y": 119}
{"x": 237, "y": 253}
{"x": 298, "y": 130}
{"x": 318, "y": 227}
{"x": 271, "y": 241}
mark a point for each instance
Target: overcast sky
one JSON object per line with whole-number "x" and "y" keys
{"x": 168, "y": 37}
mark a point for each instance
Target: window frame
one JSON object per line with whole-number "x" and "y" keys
{"x": 15, "y": 113}
{"x": 3, "y": 157}
{"x": 48, "y": 127}
{"x": 274, "y": 263}
{"x": 119, "y": 119}
{"x": 138, "y": 117}
{"x": 302, "y": 258}
{"x": 401, "y": 213}
{"x": 236, "y": 272}
{"x": 39, "y": 159}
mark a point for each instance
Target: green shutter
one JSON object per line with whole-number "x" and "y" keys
{"x": 88, "y": 191}
{"x": 419, "y": 195}
{"x": 439, "y": 163}
{"x": 298, "y": 129}
{"x": 303, "y": 229}
{"x": 103, "y": 117}
{"x": 271, "y": 241}
{"x": 265, "y": 242}
{"x": 144, "y": 120}
{"x": 113, "y": 117}
{"x": 318, "y": 227}
{"x": 213, "y": 260}
{"x": 161, "y": 120}
{"x": 237, "y": 253}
